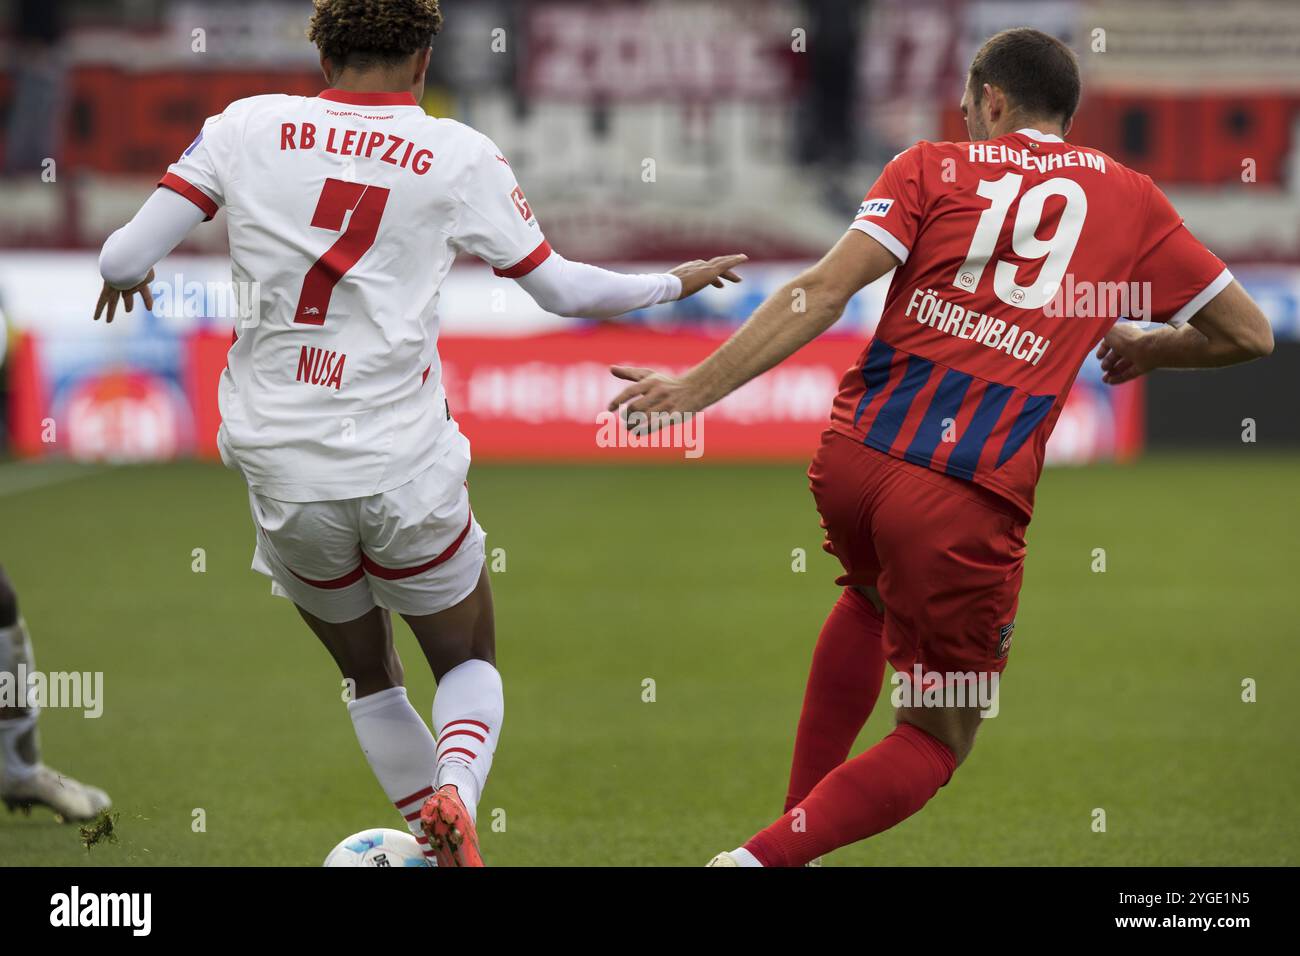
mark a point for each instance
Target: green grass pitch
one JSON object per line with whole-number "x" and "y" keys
{"x": 1124, "y": 690}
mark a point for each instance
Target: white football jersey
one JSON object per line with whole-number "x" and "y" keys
{"x": 346, "y": 210}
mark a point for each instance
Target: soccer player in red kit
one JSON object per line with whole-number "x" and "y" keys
{"x": 1014, "y": 255}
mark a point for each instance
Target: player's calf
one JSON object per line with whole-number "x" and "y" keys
{"x": 867, "y": 795}
{"x": 400, "y": 750}
{"x": 25, "y": 782}
{"x": 468, "y": 709}
{"x": 396, "y": 741}
{"x": 844, "y": 681}
{"x": 20, "y": 753}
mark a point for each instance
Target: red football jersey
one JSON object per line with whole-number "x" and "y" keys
{"x": 1018, "y": 254}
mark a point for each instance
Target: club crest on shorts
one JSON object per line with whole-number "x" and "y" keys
{"x": 1004, "y": 638}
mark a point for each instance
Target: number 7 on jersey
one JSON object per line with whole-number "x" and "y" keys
{"x": 337, "y": 198}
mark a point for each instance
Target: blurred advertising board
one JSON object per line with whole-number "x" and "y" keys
{"x": 535, "y": 397}
{"x": 524, "y": 384}
{"x": 138, "y": 399}
{"x": 540, "y": 398}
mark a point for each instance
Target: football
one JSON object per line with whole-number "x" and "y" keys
{"x": 379, "y": 847}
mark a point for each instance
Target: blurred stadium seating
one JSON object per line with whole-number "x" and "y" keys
{"x": 645, "y": 133}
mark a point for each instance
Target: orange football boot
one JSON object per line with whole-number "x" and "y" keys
{"x": 450, "y": 829}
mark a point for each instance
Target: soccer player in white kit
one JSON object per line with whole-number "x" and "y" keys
{"x": 346, "y": 210}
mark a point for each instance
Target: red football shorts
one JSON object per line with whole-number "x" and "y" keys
{"x": 946, "y": 555}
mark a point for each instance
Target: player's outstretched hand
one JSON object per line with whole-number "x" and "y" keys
{"x": 651, "y": 396}
{"x": 698, "y": 273}
{"x": 1122, "y": 354}
{"x": 109, "y": 296}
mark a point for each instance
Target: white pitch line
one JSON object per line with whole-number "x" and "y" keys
{"x": 19, "y": 476}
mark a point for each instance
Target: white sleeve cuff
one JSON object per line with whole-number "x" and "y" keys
{"x": 882, "y": 236}
{"x": 1202, "y": 298}
{"x": 162, "y": 222}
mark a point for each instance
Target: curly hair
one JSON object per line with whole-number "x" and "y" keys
{"x": 359, "y": 32}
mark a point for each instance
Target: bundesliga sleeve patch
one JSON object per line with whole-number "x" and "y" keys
{"x": 194, "y": 145}
{"x": 874, "y": 207}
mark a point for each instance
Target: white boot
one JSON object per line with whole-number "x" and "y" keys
{"x": 71, "y": 800}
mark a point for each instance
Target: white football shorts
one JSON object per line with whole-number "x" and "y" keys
{"x": 413, "y": 550}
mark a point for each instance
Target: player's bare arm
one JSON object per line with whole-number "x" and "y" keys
{"x": 791, "y": 317}
{"x": 1229, "y": 330}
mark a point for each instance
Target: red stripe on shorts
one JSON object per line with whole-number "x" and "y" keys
{"x": 352, "y": 577}
{"x": 396, "y": 574}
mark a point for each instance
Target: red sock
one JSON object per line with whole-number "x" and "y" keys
{"x": 848, "y": 667}
{"x": 872, "y": 792}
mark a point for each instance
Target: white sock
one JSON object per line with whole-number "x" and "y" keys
{"x": 467, "y": 713}
{"x": 19, "y": 744}
{"x": 744, "y": 858}
{"x": 400, "y": 748}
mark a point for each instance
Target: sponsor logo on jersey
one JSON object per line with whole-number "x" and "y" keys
{"x": 875, "y": 207}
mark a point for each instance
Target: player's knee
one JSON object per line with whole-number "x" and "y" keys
{"x": 954, "y": 727}
{"x": 872, "y": 597}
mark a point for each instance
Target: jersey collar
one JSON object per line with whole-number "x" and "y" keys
{"x": 1040, "y": 136}
{"x": 368, "y": 99}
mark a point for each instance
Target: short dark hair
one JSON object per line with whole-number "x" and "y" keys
{"x": 1037, "y": 72}
{"x": 357, "y": 32}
